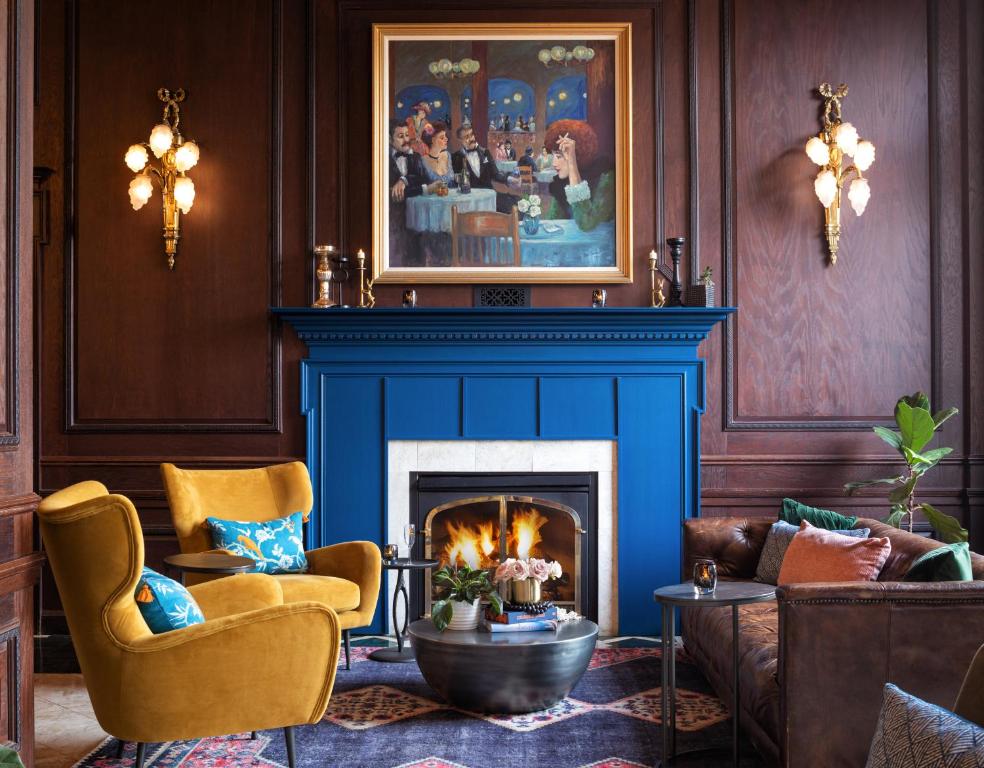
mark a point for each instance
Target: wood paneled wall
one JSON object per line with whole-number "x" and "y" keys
{"x": 139, "y": 365}
{"x": 19, "y": 565}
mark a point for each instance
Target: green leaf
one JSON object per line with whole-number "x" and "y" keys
{"x": 940, "y": 416}
{"x": 852, "y": 487}
{"x": 890, "y": 436}
{"x": 495, "y": 603}
{"x": 896, "y": 517}
{"x": 901, "y": 494}
{"x": 915, "y": 424}
{"x": 947, "y": 526}
{"x": 918, "y": 400}
{"x": 441, "y": 613}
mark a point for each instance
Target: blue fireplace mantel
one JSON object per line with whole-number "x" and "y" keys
{"x": 630, "y": 375}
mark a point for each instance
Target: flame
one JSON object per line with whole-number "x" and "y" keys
{"x": 525, "y": 532}
{"x": 470, "y": 545}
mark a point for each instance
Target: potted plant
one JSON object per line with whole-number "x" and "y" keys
{"x": 466, "y": 588}
{"x": 525, "y": 577}
{"x": 917, "y": 426}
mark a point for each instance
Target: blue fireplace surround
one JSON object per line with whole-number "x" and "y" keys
{"x": 630, "y": 375}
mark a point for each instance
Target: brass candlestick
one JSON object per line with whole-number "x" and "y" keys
{"x": 656, "y": 296}
{"x": 366, "y": 299}
{"x": 323, "y": 274}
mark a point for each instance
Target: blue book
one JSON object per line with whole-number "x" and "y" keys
{"x": 527, "y": 626}
{"x": 521, "y": 617}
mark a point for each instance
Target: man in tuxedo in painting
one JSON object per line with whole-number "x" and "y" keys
{"x": 481, "y": 168}
{"x": 406, "y": 179}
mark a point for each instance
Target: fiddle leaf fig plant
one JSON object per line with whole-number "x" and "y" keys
{"x": 917, "y": 426}
{"x": 464, "y": 585}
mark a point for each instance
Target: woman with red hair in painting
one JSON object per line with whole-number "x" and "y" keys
{"x": 417, "y": 122}
{"x": 584, "y": 187}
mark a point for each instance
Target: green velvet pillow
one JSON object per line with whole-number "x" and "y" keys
{"x": 795, "y": 513}
{"x": 949, "y": 563}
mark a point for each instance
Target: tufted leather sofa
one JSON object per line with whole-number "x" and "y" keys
{"x": 813, "y": 663}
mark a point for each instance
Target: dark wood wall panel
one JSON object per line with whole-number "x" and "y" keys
{"x": 192, "y": 346}
{"x": 140, "y": 366}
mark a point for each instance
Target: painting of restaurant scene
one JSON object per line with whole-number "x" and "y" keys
{"x": 501, "y": 153}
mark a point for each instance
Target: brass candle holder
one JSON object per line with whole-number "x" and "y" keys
{"x": 323, "y": 275}
{"x": 656, "y": 296}
{"x": 366, "y": 299}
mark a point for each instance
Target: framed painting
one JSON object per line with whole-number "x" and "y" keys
{"x": 501, "y": 153}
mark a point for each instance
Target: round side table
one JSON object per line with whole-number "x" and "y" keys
{"x": 403, "y": 652}
{"x": 210, "y": 562}
{"x": 726, "y": 594}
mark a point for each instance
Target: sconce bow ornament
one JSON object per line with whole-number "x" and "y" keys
{"x": 828, "y": 149}
{"x": 176, "y": 156}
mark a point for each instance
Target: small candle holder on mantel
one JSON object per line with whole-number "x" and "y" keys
{"x": 366, "y": 298}
{"x": 672, "y": 275}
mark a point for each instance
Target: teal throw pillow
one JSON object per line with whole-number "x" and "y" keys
{"x": 165, "y": 604}
{"x": 276, "y": 545}
{"x": 777, "y": 542}
{"x": 949, "y": 563}
{"x": 795, "y": 513}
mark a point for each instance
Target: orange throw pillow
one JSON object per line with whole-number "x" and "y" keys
{"x": 818, "y": 555}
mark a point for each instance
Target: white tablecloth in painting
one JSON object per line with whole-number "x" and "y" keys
{"x": 570, "y": 247}
{"x": 506, "y": 166}
{"x": 546, "y": 175}
{"x": 431, "y": 213}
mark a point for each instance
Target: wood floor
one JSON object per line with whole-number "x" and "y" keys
{"x": 65, "y": 727}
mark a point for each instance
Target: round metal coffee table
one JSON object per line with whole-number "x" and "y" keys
{"x": 504, "y": 672}
{"x": 403, "y": 652}
{"x": 210, "y": 562}
{"x": 726, "y": 594}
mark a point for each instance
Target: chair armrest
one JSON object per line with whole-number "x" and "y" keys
{"x": 237, "y": 594}
{"x": 268, "y": 668}
{"x": 358, "y": 561}
{"x": 733, "y": 543}
{"x": 839, "y": 643}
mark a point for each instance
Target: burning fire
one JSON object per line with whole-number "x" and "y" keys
{"x": 525, "y": 532}
{"x": 470, "y": 545}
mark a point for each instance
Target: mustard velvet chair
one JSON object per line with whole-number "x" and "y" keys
{"x": 345, "y": 576}
{"x": 254, "y": 664}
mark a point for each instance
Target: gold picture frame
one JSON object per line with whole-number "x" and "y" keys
{"x": 590, "y": 240}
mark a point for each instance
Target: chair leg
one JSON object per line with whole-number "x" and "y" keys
{"x": 289, "y": 738}
{"x": 346, "y": 636}
{"x": 141, "y": 752}
{"x": 120, "y": 746}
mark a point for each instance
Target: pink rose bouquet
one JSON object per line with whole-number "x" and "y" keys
{"x": 512, "y": 569}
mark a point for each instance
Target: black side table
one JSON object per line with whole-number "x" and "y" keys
{"x": 727, "y": 593}
{"x": 210, "y": 562}
{"x": 401, "y": 653}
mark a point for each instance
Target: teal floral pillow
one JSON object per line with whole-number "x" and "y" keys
{"x": 165, "y": 604}
{"x": 275, "y": 545}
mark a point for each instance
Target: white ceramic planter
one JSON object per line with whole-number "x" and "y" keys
{"x": 465, "y": 615}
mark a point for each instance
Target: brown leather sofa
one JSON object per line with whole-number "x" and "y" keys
{"x": 813, "y": 662}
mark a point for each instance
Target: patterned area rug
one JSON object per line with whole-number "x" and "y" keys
{"x": 386, "y": 716}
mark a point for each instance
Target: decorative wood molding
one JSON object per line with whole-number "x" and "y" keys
{"x": 10, "y": 429}
{"x": 12, "y": 676}
{"x": 275, "y": 338}
{"x": 732, "y": 420}
{"x": 694, "y": 70}
{"x": 25, "y": 504}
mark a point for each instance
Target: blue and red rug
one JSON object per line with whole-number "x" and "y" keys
{"x": 386, "y": 716}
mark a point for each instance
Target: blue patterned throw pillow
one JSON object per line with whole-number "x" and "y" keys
{"x": 777, "y": 542}
{"x": 165, "y": 604}
{"x": 275, "y": 545}
{"x": 913, "y": 733}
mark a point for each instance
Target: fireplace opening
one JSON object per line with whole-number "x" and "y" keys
{"x": 480, "y": 519}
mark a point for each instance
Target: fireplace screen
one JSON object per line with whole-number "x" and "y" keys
{"x": 484, "y": 531}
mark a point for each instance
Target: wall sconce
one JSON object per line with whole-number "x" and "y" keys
{"x": 176, "y": 156}
{"x": 827, "y": 150}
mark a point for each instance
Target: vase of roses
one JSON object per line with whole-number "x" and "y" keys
{"x": 525, "y": 577}
{"x": 529, "y": 206}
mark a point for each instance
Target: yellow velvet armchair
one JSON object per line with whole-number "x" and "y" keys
{"x": 345, "y": 576}
{"x": 254, "y": 664}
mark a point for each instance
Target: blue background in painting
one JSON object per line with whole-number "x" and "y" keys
{"x": 502, "y": 88}
{"x": 429, "y": 93}
{"x": 575, "y": 106}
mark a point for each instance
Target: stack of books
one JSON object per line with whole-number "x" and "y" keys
{"x": 521, "y": 621}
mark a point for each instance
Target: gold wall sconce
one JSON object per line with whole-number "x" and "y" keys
{"x": 828, "y": 149}
{"x": 176, "y": 156}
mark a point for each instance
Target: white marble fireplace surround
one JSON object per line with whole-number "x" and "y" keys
{"x": 406, "y": 456}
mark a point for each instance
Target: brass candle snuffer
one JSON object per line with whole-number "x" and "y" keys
{"x": 656, "y": 296}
